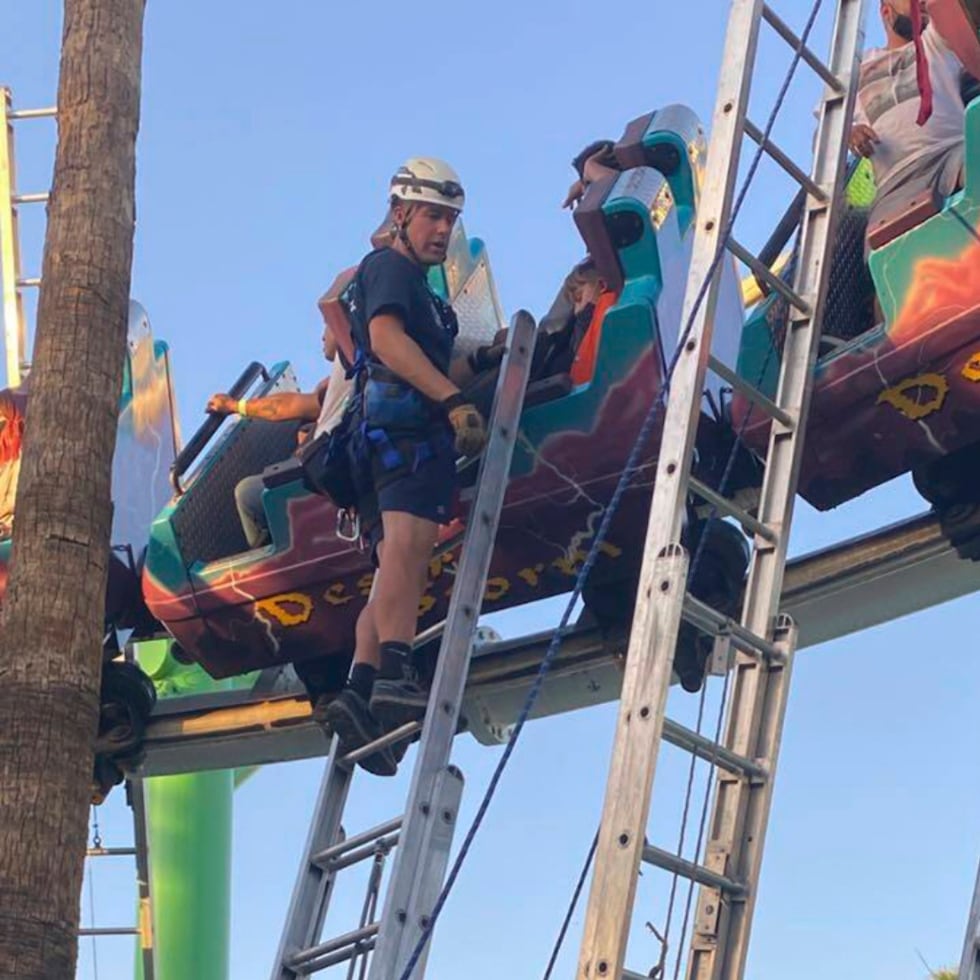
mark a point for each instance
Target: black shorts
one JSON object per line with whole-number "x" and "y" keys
{"x": 423, "y": 483}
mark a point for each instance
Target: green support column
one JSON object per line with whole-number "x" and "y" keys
{"x": 189, "y": 820}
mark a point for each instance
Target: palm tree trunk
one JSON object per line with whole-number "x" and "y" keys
{"x": 50, "y": 645}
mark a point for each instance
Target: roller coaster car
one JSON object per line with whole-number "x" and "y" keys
{"x": 902, "y": 395}
{"x": 234, "y": 610}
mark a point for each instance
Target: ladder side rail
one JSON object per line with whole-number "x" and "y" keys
{"x": 704, "y": 276}
{"x": 137, "y": 801}
{"x": 970, "y": 961}
{"x": 407, "y": 907}
{"x": 638, "y": 732}
{"x": 311, "y": 893}
{"x": 784, "y": 454}
{"x": 14, "y": 329}
{"x": 741, "y": 808}
{"x": 654, "y": 635}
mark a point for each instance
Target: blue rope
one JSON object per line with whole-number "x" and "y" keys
{"x": 626, "y": 477}
{"x": 579, "y": 885}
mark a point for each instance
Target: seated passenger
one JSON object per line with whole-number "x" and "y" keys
{"x": 915, "y": 139}
{"x": 323, "y": 407}
{"x": 566, "y": 325}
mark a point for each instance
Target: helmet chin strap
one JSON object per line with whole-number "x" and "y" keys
{"x": 402, "y": 228}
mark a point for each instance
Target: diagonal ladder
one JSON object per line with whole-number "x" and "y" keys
{"x": 762, "y": 643}
{"x": 421, "y": 838}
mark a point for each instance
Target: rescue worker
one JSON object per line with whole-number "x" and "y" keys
{"x": 414, "y": 423}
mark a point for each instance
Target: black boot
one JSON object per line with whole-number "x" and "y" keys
{"x": 351, "y": 720}
{"x": 399, "y": 696}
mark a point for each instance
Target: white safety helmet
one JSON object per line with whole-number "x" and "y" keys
{"x": 426, "y": 180}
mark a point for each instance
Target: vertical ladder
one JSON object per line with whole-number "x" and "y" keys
{"x": 12, "y": 284}
{"x": 763, "y": 640}
{"x": 970, "y": 961}
{"x": 423, "y": 834}
{"x": 143, "y": 929}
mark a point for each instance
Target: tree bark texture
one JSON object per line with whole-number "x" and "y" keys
{"x": 51, "y": 634}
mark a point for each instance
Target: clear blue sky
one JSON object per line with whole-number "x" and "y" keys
{"x": 268, "y": 134}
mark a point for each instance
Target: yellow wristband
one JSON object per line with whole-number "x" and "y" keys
{"x": 242, "y": 408}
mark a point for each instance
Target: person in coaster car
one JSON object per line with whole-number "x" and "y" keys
{"x": 413, "y": 424}
{"x": 910, "y": 146}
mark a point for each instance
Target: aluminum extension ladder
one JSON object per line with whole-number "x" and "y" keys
{"x": 423, "y": 834}
{"x": 12, "y": 284}
{"x": 763, "y": 640}
{"x": 143, "y": 930}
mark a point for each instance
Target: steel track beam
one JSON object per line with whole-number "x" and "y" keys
{"x": 831, "y": 593}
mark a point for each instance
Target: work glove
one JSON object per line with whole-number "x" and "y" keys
{"x": 468, "y": 427}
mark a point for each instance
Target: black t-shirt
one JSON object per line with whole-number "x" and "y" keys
{"x": 388, "y": 282}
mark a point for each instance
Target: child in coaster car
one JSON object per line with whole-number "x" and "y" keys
{"x": 564, "y": 338}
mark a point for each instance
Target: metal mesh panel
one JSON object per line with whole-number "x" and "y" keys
{"x": 206, "y": 522}
{"x": 458, "y": 266}
{"x": 849, "y": 309}
{"x": 477, "y": 308}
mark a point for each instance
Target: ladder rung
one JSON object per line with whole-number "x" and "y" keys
{"x": 785, "y": 162}
{"x": 39, "y": 198}
{"x": 712, "y": 752}
{"x": 342, "y": 956}
{"x": 783, "y": 30}
{"x": 383, "y": 845}
{"x": 97, "y": 852}
{"x": 111, "y": 931}
{"x": 433, "y": 632}
{"x": 389, "y": 738}
{"x": 711, "y": 621}
{"x": 688, "y": 869}
{"x": 353, "y": 939}
{"x": 329, "y": 854}
{"x": 750, "y": 392}
{"x": 33, "y": 113}
{"x": 28, "y": 283}
{"x": 762, "y": 271}
{"x": 724, "y": 506}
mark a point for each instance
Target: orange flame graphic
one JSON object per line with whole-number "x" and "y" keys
{"x": 942, "y": 288}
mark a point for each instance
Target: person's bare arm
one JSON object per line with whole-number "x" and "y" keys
{"x": 283, "y": 406}
{"x": 461, "y": 370}
{"x": 956, "y": 29}
{"x": 398, "y": 352}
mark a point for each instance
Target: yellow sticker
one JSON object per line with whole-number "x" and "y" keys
{"x": 337, "y": 595}
{"x": 928, "y": 394}
{"x": 971, "y": 370}
{"x": 497, "y": 588}
{"x": 288, "y": 609}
